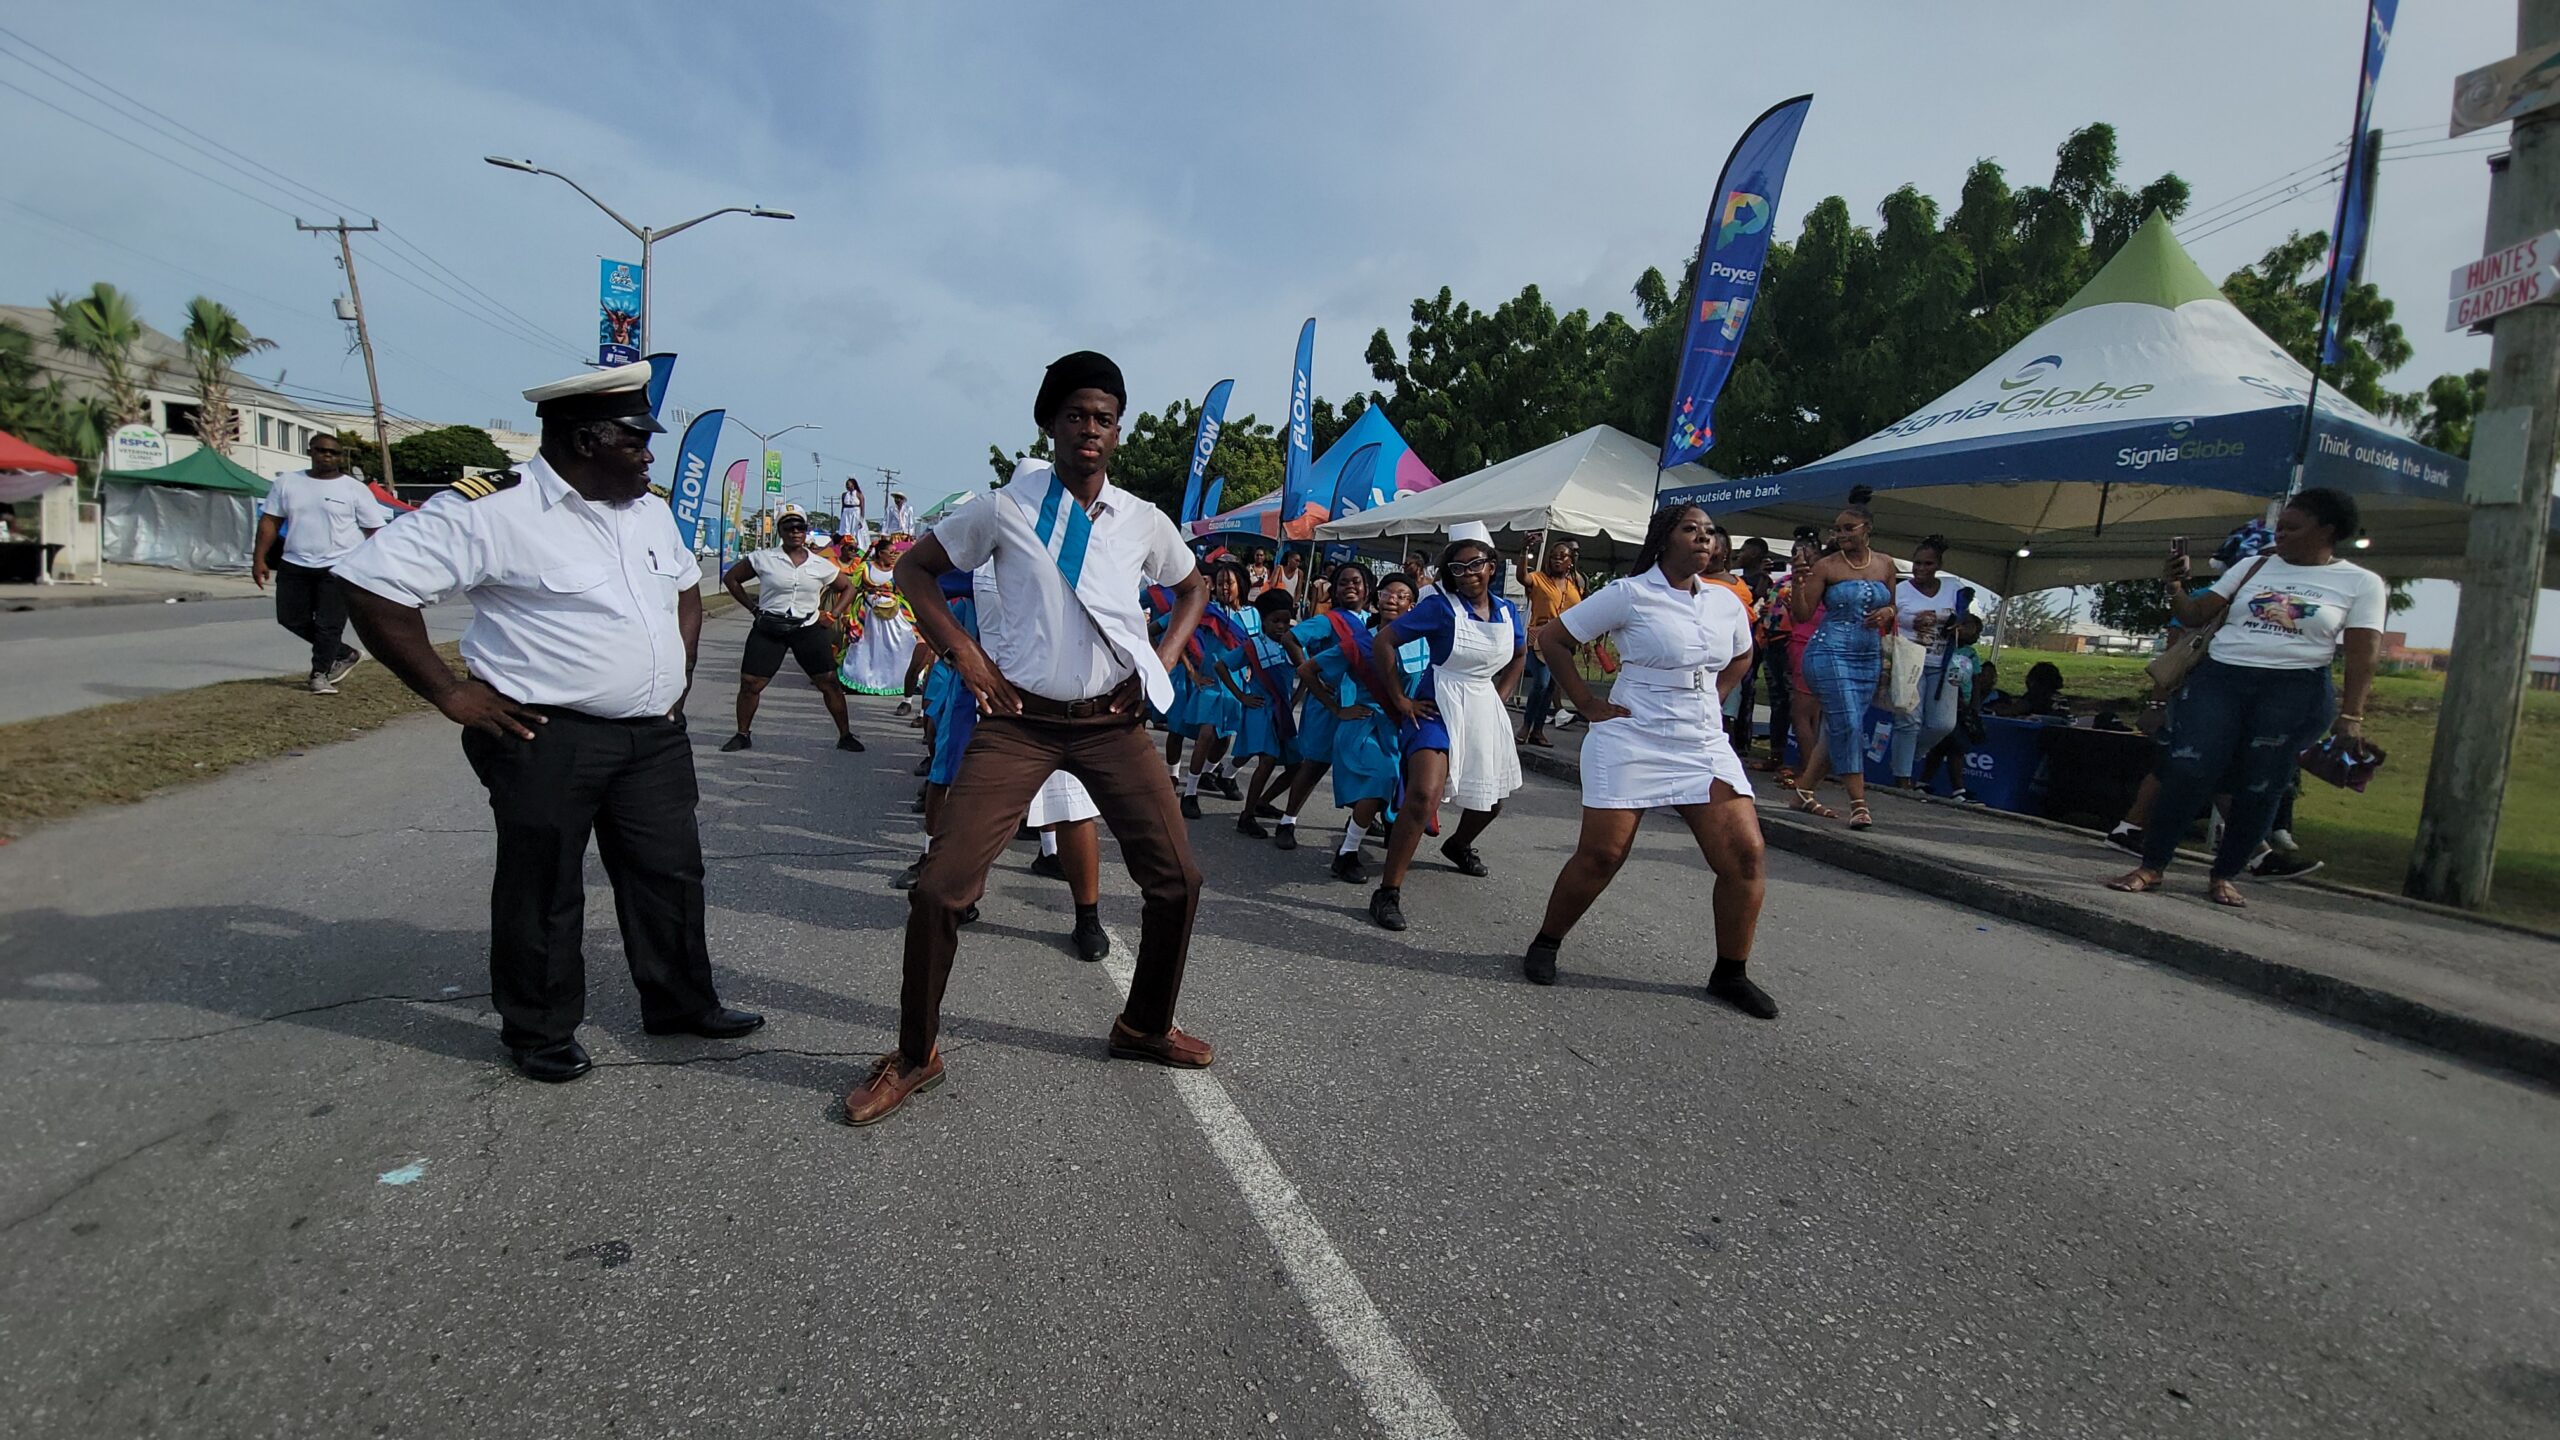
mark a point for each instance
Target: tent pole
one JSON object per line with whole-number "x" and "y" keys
{"x": 2000, "y": 614}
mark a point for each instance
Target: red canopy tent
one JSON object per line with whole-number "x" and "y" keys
{"x": 26, "y": 472}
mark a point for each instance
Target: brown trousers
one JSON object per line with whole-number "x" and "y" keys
{"x": 1007, "y": 762}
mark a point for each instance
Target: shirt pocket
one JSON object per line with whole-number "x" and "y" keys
{"x": 573, "y": 579}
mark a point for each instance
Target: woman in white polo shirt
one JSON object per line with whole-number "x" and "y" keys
{"x": 793, "y": 586}
{"x": 1658, "y": 742}
{"x": 2262, "y": 692}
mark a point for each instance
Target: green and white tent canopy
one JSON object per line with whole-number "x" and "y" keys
{"x": 2147, "y": 407}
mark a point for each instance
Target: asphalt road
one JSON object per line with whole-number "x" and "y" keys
{"x": 265, "y": 1172}
{"x": 57, "y": 660}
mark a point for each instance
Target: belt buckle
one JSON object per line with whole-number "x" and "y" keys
{"x": 1698, "y": 678}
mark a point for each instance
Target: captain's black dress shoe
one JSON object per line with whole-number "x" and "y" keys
{"x": 554, "y": 1064}
{"x": 721, "y": 1024}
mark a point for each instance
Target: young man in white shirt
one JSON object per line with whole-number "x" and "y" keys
{"x": 1062, "y": 677}
{"x": 324, "y": 513}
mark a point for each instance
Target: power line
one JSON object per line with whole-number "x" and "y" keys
{"x": 414, "y": 248}
{"x": 145, "y": 149}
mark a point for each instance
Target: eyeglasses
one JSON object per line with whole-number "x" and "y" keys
{"x": 1468, "y": 567}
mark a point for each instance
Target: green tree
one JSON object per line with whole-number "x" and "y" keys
{"x": 438, "y": 457}
{"x": 363, "y": 456}
{"x": 215, "y": 338}
{"x": 2031, "y": 619}
{"x": 1154, "y": 460}
{"x": 34, "y": 406}
{"x": 2441, "y": 416}
{"x": 1473, "y": 387}
{"x": 104, "y": 328}
{"x": 2137, "y": 607}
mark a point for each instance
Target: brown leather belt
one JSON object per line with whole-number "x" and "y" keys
{"x": 1122, "y": 697}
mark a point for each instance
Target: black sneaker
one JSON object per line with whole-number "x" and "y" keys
{"x": 1190, "y": 807}
{"x": 1091, "y": 942}
{"x": 2126, "y": 839}
{"x": 906, "y": 879}
{"x": 849, "y": 743}
{"x": 1247, "y": 825}
{"x": 1467, "y": 861}
{"x": 2282, "y": 865}
{"x": 1284, "y": 836}
{"x": 1347, "y": 866}
{"x": 1386, "y": 907}
{"x": 736, "y": 743}
{"x": 1540, "y": 963}
{"x": 1049, "y": 867}
{"x": 1728, "y": 984}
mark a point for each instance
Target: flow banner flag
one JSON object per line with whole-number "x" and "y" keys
{"x": 1210, "y": 497}
{"x": 618, "y": 320}
{"x": 1731, "y": 253}
{"x": 693, "y": 473}
{"x": 1298, "y": 514}
{"x": 1355, "y": 483}
{"x": 2355, "y": 198}
{"x": 1213, "y": 417}
{"x": 662, "y": 368}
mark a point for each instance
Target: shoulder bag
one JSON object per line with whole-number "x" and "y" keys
{"x": 2170, "y": 668}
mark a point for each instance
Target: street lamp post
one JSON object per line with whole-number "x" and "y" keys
{"x": 764, "y": 442}
{"x": 647, "y": 235}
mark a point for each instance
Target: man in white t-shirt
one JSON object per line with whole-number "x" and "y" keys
{"x": 323, "y": 513}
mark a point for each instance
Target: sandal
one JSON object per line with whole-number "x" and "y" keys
{"x": 1807, "y": 804}
{"x": 2136, "y": 882}
{"x": 1859, "y": 819}
{"x": 2225, "y": 894}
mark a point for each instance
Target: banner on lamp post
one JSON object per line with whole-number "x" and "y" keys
{"x": 693, "y": 474}
{"x": 618, "y": 312}
{"x": 1213, "y": 418}
{"x": 2355, "y": 196}
{"x": 1731, "y": 254}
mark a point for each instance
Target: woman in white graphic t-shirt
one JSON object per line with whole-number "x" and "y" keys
{"x": 2262, "y": 692}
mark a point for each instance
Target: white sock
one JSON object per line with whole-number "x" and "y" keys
{"x": 1289, "y": 819}
{"x": 1190, "y": 782}
{"x": 1227, "y": 768}
{"x": 1352, "y": 834}
{"x": 2122, "y": 826}
{"x": 1048, "y": 842}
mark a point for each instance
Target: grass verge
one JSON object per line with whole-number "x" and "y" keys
{"x": 59, "y": 765}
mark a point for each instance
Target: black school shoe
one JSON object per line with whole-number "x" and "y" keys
{"x": 718, "y": 1023}
{"x": 1190, "y": 807}
{"x": 1467, "y": 861}
{"x": 554, "y": 1064}
{"x": 736, "y": 743}
{"x": 1247, "y": 825}
{"x": 1728, "y": 984}
{"x": 1347, "y": 866}
{"x": 1386, "y": 907}
{"x": 1049, "y": 867}
{"x": 1540, "y": 963}
{"x": 1091, "y": 941}
{"x": 851, "y": 743}
{"x": 1284, "y": 837}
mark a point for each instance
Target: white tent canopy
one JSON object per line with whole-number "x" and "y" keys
{"x": 1599, "y": 483}
{"x": 2148, "y": 407}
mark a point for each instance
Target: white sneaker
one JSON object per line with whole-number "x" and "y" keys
{"x": 2282, "y": 840}
{"x": 320, "y": 686}
{"x": 346, "y": 662}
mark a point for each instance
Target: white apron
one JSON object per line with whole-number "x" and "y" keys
{"x": 1484, "y": 765}
{"x": 876, "y": 663}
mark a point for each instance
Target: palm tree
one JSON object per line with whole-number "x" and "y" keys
{"x": 103, "y": 327}
{"x": 214, "y": 338}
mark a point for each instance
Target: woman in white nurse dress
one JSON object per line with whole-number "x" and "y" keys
{"x": 1658, "y": 742}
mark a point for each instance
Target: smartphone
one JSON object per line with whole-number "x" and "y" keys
{"x": 2178, "y": 545}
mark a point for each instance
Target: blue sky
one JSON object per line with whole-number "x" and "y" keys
{"x": 982, "y": 187}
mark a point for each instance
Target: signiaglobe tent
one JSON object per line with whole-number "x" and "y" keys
{"x": 2148, "y": 407}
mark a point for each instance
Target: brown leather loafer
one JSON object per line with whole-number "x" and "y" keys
{"x": 1183, "y": 1052}
{"x": 889, "y": 1084}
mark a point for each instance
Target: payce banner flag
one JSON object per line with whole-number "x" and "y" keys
{"x": 1731, "y": 253}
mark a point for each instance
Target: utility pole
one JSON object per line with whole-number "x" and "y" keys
{"x": 2512, "y": 454}
{"x": 364, "y": 337}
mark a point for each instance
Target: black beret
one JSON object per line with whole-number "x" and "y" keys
{"x": 1083, "y": 370}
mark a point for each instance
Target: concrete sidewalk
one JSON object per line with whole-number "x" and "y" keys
{"x": 129, "y": 585}
{"x": 2481, "y": 990}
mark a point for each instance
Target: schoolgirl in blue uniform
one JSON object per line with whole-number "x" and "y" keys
{"x": 1213, "y": 710}
{"x": 1263, "y": 676}
{"x": 1349, "y": 587}
{"x": 1367, "y": 759}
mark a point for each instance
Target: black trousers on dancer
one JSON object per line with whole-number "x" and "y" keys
{"x": 629, "y": 784}
{"x": 310, "y": 604}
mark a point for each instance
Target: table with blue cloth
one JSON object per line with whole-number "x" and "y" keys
{"x": 2093, "y": 770}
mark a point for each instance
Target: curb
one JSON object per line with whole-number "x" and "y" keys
{"x": 2536, "y": 1057}
{"x": 23, "y": 604}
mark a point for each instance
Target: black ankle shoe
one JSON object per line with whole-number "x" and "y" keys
{"x": 1049, "y": 867}
{"x": 1540, "y": 963}
{"x": 1091, "y": 942}
{"x": 1247, "y": 825}
{"x": 1467, "y": 861}
{"x": 1190, "y": 807}
{"x": 736, "y": 743}
{"x": 969, "y": 916}
{"x": 1347, "y": 866}
{"x": 907, "y": 878}
{"x": 1386, "y": 906}
{"x": 1284, "y": 837}
{"x": 851, "y": 743}
{"x": 1227, "y": 786}
{"x": 924, "y": 766}
{"x": 1734, "y": 988}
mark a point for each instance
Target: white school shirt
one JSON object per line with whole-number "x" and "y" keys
{"x": 1662, "y": 632}
{"x": 1056, "y": 643}
{"x": 2293, "y": 616}
{"x": 573, "y": 603}
{"x": 323, "y": 519}
{"x": 783, "y": 588}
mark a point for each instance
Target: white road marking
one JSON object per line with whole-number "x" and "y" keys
{"x": 1404, "y": 1402}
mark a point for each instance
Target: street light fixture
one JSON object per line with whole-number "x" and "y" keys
{"x": 766, "y": 441}
{"x": 647, "y": 235}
